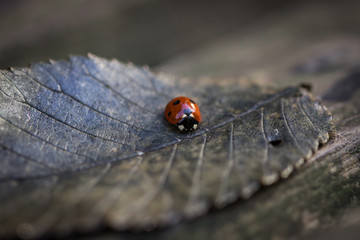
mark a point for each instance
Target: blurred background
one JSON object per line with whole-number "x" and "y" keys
{"x": 188, "y": 38}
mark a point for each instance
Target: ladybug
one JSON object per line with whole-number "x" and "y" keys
{"x": 183, "y": 113}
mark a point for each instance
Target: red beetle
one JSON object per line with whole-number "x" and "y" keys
{"x": 184, "y": 113}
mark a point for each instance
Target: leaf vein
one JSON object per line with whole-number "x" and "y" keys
{"x": 229, "y": 167}
{"x": 307, "y": 116}
{"x": 107, "y": 202}
{"x": 26, "y": 157}
{"x": 44, "y": 140}
{"x": 90, "y": 107}
{"x": 114, "y": 91}
{"x": 196, "y": 181}
{"x": 162, "y": 181}
{"x": 266, "y": 149}
{"x": 288, "y": 128}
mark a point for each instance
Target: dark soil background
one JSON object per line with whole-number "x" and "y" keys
{"x": 147, "y": 32}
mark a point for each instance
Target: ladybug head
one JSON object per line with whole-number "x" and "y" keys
{"x": 187, "y": 123}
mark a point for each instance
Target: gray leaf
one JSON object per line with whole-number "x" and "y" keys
{"x": 84, "y": 144}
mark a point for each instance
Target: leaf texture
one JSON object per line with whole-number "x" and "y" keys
{"x": 84, "y": 145}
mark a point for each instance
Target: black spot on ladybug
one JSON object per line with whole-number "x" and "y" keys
{"x": 192, "y": 101}
{"x": 169, "y": 114}
{"x": 176, "y": 102}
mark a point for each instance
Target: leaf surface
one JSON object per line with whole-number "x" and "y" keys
{"x": 84, "y": 144}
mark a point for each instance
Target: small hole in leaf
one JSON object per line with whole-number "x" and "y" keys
{"x": 276, "y": 142}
